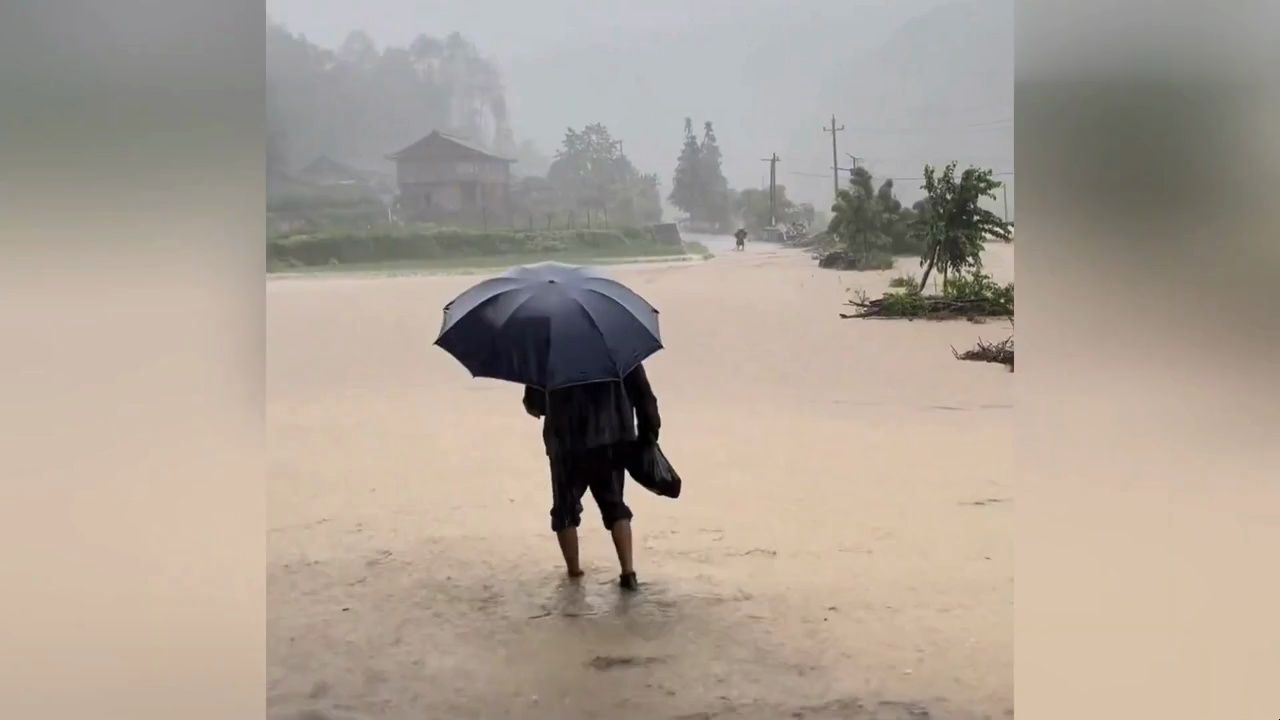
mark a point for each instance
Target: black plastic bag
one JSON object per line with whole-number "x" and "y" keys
{"x": 647, "y": 465}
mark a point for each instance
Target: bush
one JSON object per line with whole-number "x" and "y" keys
{"x": 904, "y": 281}
{"x": 841, "y": 260}
{"x": 979, "y": 286}
{"x": 321, "y": 199}
{"x": 908, "y": 303}
{"x": 430, "y": 243}
{"x": 909, "y": 245}
{"x": 309, "y": 211}
{"x": 694, "y": 247}
{"x": 965, "y": 297}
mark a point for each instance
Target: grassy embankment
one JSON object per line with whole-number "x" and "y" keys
{"x": 348, "y": 231}
{"x": 453, "y": 249}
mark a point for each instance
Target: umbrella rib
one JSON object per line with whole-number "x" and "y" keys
{"x": 615, "y": 301}
{"x": 599, "y": 331}
{"x": 493, "y": 286}
{"x": 622, "y": 372}
{"x": 514, "y": 310}
{"x": 518, "y": 305}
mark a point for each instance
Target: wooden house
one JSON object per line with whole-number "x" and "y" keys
{"x": 451, "y": 181}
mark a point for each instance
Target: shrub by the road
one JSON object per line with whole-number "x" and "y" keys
{"x": 844, "y": 260}
{"x": 967, "y": 296}
{"x": 316, "y": 209}
{"x": 429, "y": 243}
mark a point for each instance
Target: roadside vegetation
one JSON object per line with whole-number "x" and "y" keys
{"x": 429, "y": 246}
{"x": 951, "y": 229}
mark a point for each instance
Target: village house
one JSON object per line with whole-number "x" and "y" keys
{"x": 449, "y": 180}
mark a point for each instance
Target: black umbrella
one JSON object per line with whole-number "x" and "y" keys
{"x": 550, "y": 326}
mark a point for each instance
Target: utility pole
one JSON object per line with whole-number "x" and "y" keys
{"x": 773, "y": 188}
{"x": 835, "y": 173}
{"x": 1004, "y": 194}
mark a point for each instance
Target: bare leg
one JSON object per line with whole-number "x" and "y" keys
{"x": 568, "y": 539}
{"x": 621, "y": 532}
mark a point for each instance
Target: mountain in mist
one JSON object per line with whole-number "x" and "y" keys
{"x": 357, "y": 103}
{"x": 901, "y": 76}
{"x": 913, "y": 81}
{"x": 940, "y": 88}
{"x": 937, "y": 86}
{"x": 755, "y": 75}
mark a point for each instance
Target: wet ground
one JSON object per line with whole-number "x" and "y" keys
{"x": 843, "y": 548}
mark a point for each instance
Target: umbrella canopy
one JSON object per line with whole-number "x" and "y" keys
{"x": 550, "y": 326}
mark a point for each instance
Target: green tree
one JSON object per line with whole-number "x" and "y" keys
{"x": 583, "y": 171}
{"x": 897, "y": 221}
{"x": 858, "y": 218}
{"x": 888, "y": 201}
{"x": 714, "y": 195}
{"x": 590, "y": 174}
{"x": 648, "y": 199}
{"x": 686, "y": 185}
{"x": 532, "y": 199}
{"x": 752, "y": 205}
{"x": 952, "y": 225}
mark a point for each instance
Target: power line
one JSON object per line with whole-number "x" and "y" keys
{"x": 991, "y": 124}
{"x": 994, "y": 174}
{"x": 885, "y": 177}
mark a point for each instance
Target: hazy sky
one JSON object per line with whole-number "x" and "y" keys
{"x": 512, "y": 28}
{"x": 769, "y": 73}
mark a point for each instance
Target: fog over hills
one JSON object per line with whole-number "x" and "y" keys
{"x": 913, "y": 81}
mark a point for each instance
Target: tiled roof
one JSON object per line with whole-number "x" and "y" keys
{"x": 437, "y": 136}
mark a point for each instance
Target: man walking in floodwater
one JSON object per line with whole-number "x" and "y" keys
{"x": 741, "y": 237}
{"x": 586, "y": 429}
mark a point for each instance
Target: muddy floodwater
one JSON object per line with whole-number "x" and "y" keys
{"x": 843, "y": 548}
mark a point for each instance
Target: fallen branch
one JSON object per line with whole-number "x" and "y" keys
{"x": 1001, "y": 352}
{"x": 902, "y": 305}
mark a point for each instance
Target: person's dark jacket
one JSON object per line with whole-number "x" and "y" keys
{"x": 599, "y": 414}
